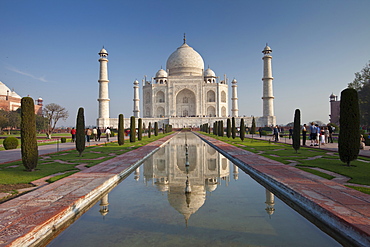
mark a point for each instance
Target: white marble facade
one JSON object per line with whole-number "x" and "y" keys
{"x": 185, "y": 94}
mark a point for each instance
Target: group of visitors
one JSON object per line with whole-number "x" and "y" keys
{"x": 94, "y": 134}
{"x": 318, "y": 135}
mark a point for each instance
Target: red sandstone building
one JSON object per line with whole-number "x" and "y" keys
{"x": 334, "y": 109}
{"x": 11, "y": 101}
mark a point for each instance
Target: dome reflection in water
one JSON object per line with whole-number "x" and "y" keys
{"x": 222, "y": 206}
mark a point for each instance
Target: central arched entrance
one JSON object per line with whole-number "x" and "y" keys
{"x": 185, "y": 104}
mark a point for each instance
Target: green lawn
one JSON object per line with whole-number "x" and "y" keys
{"x": 359, "y": 171}
{"x": 14, "y": 173}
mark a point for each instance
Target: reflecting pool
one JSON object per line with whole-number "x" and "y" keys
{"x": 188, "y": 194}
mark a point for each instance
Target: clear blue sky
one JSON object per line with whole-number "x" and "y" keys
{"x": 49, "y": 49}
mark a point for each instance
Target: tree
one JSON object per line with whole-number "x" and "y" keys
{"x": 297, "y": 130}
{"x": 221, "y": 128}
{"x": 140, "y": 129}
{"x": 215, "y": 128}
{"x": 29, "y": 148}
{"x": 349, "y": 121}
{"x": 253, "y": 128}
{"x": 233, "y": 128}
{"x": 156, "y": 128}
{"x": 242, "y": 129}
{"x": 53, "y": 113}
{"x": 132, "y": 129}
{"x": 14, "y": 119}
{"x": 228, "y": 128}
{"x": 80, "y": 131}
{"x": 149, "y": 129}
{"x": 41, "y": 123}
{"x": 364, "y": 103}
{"x": 121, "y": 130}
{"x": 361, "y": 78}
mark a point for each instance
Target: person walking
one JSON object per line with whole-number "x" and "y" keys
{"x": 73, "y": 133}
{"x": 260, "y": 131}
{"x": 107, "y": 133}
{"x": 98, "y": 134}
{"x": 304, "y": 134}
{"x": 95, "y": 134}
{"x": 290, "y": 132}
{"x": 318, "y": 131}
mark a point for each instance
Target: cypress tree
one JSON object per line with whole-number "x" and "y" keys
{"x": 156, "y": 128}
{"x": 132, "y": 129}
{"x": 221, "y": 129}
{"x": 228, "y": 128}
{"x": 121, "y": 130}
{"x": 233, "y": 128}
{"x": 297, "y": 130}
{"x": 140, "y": 130}
{"x": 29, "y": 149}
{"x": 149, "y": 129}
{"x": 215, "y": 128}
{"x": 349, "y": 121}
{"x": 144, "y": 127}
{"x": 242, "y": 129}
{"x": 253, "y": 128}
{"x": 80, "y": 131}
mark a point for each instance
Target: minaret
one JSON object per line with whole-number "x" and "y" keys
{"x": 270, "y": 203}
{"x": 136, "y": 99}
{"x": 103, "y": 120}
{"x": 268, "y": 103}
{"x": 234, "y": 99}
{"x": 104, "y": 205}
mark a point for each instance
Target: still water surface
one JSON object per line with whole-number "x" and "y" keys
{"x": 225, "y": 207}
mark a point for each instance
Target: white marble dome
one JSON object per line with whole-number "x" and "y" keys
{"x": 161, "y": 73}
{"x": 209, "y": 73}
{"x": 185, "y": 61}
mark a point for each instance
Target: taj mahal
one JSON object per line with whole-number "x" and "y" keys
{"x": 185, "y": 94}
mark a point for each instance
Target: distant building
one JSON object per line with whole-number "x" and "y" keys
{"x": 11, "y": 101}
{"x": 334, "y": 109}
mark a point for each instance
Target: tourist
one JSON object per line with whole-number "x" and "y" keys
{"x": 260, "y": 131}
{"x": 73, "y": 133}
{"x": 318, "y": 131}
{"x": 95, "y": 134}
{"x": 330, "y": 137}
{"x": 362, "y": 142}
{"x": 290, "y": 132}
{"x": 276, "y": 133}
{"x": 98, "y": 134}
{"x": 313, "y": 134}
{"x": 304, "y": 134}
{"x": 107, "y": 133}
{"x": 322, "y": 136}
{"x": 88, "y": 134}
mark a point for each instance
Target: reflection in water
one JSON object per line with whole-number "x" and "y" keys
{"x": 183, "y": 196}
{"x": 186, "y": 170}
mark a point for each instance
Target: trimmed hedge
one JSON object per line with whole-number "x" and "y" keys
{"x": 10, "y": 143}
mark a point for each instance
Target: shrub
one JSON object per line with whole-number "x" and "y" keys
{"x": 233, "y": 128}
{"x": 30, "y": 153}
{"x": 10, "y": 143}
{"x": 132, "y": 129}
{"x": 80, "y": 131}
{"x": 63, "y": 140}
{"x": 349, "y": 121}
{"x": 140, "y": 129}
{"x": 242, "y": 129}
{"x": 112, "y": 134}
{"x": 149, "y": 129}
{"x": 121, "y": 130}
{"x": 156, "y": 128}
{"x": 228, "y": 128}
{"x": 297, "y": 130}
